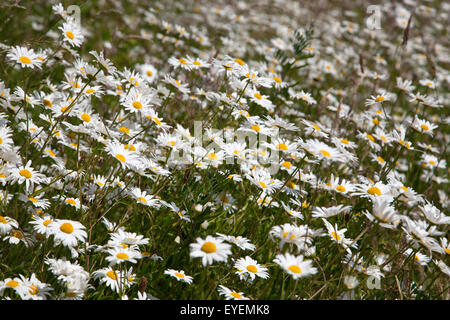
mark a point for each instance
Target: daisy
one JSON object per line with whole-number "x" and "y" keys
{"x": 433, "y": 214}
{"x": 179, "y": 275}
{"x": 72, "y": 33}
{"x": 15, "y": 283}
{"x": 384, "y": 213}
{"x": 419, "y": 258}
{"x": 381, "y": 97}
{"x": 25, "y": 57}
{"x": 182, "y": 214}
{"x": 136, "y": 101}
{"x": 338, "y": 235}
{"x": 250, "y": 268}
{"x": 323, "y": 151}
{"x": 127, "y": 239}
{"x": 126, "y": 158}
{"x": 28, "y": 175}
{"x": 148, "y": 72}
{"x": 119, "y": 255}
{"x": 371, "y": 190}
{"x": 17, "y": 236}
{"x": 68, "y": 232}
{"x": 42, "y": 224}
{"x": 196, "y": 63}
{"x": 143, "y": 198}
{"x": 295, "y": 265}
{"x": 315, "y": 129}
{"x": 210, "y": 249}
{"x": 423, "y": 126}
{"x": 34, "y": 289}
{"x": 74, "y": 202}
{"x": 259, "y": 99}
{"x": 324, "y": 212}
{"x": 7, "y": 224}
{"x": 241, "y": 242}
{"x": 428, "y": 83}
{"x": 116, "y": 280}
{"x": 180, "y": 63}
{"x": 404, "y": 85}
{"x": 230, "y": 294}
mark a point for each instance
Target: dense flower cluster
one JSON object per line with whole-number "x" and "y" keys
{"x": 172, "y": 149}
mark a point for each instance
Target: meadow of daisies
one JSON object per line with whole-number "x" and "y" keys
{"x": 180, "y": 150}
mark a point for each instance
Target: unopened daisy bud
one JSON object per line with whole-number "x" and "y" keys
{"x": 204, "y": 225}
{"x": 177, "y": 239}
{"x": 198, "y": 208}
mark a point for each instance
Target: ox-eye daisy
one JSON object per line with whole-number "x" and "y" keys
{"x": 68, "y": 232}
{"x": 210, "y": 249}
{"x": 26, "y": 174}
{"x": 230, "y": 294}
{"x": 72, "y": 33}
{"x": 250, "y": 268}
{"x": 25, "y": 57}
{"x": 295, "y": 265}
{"x": 179, "y": 275}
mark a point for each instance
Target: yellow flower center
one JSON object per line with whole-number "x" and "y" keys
{"x": 137, "y": 105}
{"x": 86, "y": 117}
{"x": 236, "y": 295}
{"x": 258, "y": 95}
{"x": 158, "y": 122}
{"x": 209, "y": 247}
{"x": 212, "y": 155}
{"x": 262, "y": 184}
{"x": 344, "y": 141}
{"x": 425, "y": 127}
{"x": 325, "y": 153}
{"x": 149, "y": 73}
{"x": 112, "y": 274}
{"x": 50, "y": 152}
{"x": 336, "y": 236}
{"x": 89, "y": 91}
{"x": 3, "y": 220}
{"x": 295, "y": 269}
{"x": 125, "y": 130}
{"x": 71, "y": 201}
{"x": 276, "y": 79}
{"x": 48, "y": 103}
{"x": 12, "y": 283}
{"x": 380, "y": 159}
{"x": 252, "y": 268}
{"x": 374, "y": 191}
{"x": 316, "y": 127}
{"x": 340, "y": 188}
{"x": 33, "y": 290}
{"x": 66, "y": 228}
{"x": 25, "y": 173}
{"x": 18, "y": 234}
{"x": 25, "y": 60}
{"x": 282, "y": 146}
{"x": 255, "y": 127}
{"x": 286, "y": 164}
{"x": 142, "y": 199}
{"x": 197, "y": 63}
{"x": 370, "y": 137}
{"x": 70, "y": 35}
{"x": 240, "y": 61}
{"x": 182, "y": 61}
{"x": 379, "y": 99}
{"x": 121, "y": 157}
{"x": 179, "y": 275}
{"x": 46, "y": 222}
{"x": 122, "y": 256}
